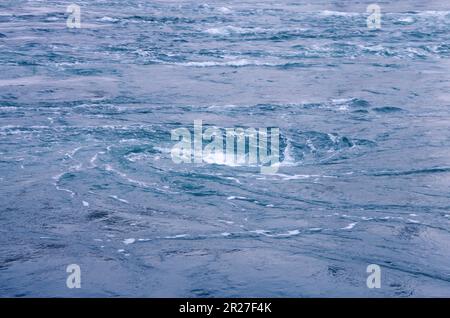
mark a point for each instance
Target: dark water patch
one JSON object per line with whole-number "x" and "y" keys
{"x": 356, "y": 102}
{"x": 415, "y": 171}
{"x": 360, "y": 111}
{"x": 387, "y": 109}
{"x": 95, "y": 215}
{"x": 409, "y": 232}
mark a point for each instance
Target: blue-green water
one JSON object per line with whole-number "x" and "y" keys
{"x": 86, "y": 174}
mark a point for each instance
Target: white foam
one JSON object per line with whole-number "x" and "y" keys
{"x": 108, "y": 167}
{"x": 267, "y": 233}
{"x": 227, "y": 222}
{"x": 129, "y": 241}
{"x": 217, "y": 157}
{"x": 94, "y": 158}
{"x": 176, "y": 236}
{"x": 228, "y": 30}
{"x": 134, "y": 157}
{"x": 72, "y": 194}
{"x": 223, "y": 106}
{"x": 8, "y": 108}
{"x": 232, "y": 197}
{"x": 434, "y": 13}
{"x": 261, "y": 232}
{"x": 295, "y": 176}
{"x": 163, "y": 150}
{"x": 224, "y": 10}
{"x": 234, "y": 179}
{"x": 288, "y": 158}
{"x": 71, "y": 153}
{"x": 119, "y": 199}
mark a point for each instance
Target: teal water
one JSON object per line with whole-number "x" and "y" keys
{"x": 86, "y": 174}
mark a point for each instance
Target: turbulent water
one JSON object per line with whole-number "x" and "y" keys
{"x": 87, "y": 178}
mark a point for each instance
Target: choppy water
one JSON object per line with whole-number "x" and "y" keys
{"x": 86, "y": 174}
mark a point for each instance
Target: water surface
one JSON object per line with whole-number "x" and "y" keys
{"x": 86, "y": 174}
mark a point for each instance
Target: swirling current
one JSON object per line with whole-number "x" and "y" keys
{"x": 87, "y": 176}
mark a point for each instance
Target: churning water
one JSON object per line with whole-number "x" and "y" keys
{"x": 87, "y": 178}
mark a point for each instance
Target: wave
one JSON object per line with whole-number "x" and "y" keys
{"x": 413, "y": 172}
{"x": 233, "y": 63}
{"x": 328, "y": 13}
{"x": 228, "y": 30}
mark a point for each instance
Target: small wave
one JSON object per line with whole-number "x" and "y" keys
{"x": 269, "y": 233}
{"x": 234, "y": 63}
{"x": 433, "y": 13}
{"x": 136, "y": 157}
{"x": 72, "y": 194}
{"x": 411, "y": 172}
{"x": 339, "y": 13}
{"x": 295, "y": 177}
{"x": 405, "y": 20}
{"x": 125, "y": 176}
{"x": 115, "y": 197}
{"x": 177, "y": 236}
{"x": 129, "y": 241}
{"x": 387, "y": 109}
{"x": 252, "y": 233}
{"x": 314, "y": 146}
{"x": 228, "y": 30}
{"x": 108, "y": 19}
{"x": 350, "y": 226}
{"x": 232, "y": 197}
{"x": 225, "y": 10}
{"x": 8, "y": 109}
